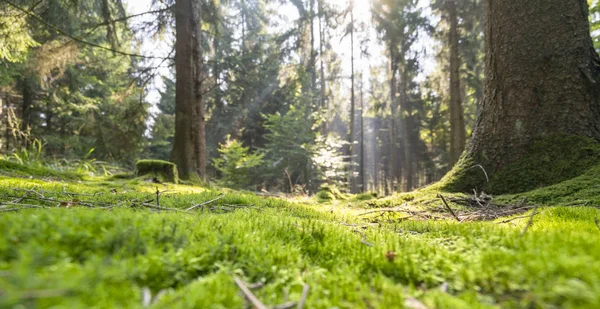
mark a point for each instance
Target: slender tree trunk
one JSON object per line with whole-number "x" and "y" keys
{"x": 183, "y": 147}
{"x": 199, "y": 124}
{"x": 361, "y": 167}
{"x": 323, "y": 92}
{"x": 457, "y": 121}
{"x": 28, "y": 96}
{"x": 394, "y": 152}
{"x": 352, "y": 100}
{"x": 313, "y": 54}
{"x": 407, "y": 168}
{"x": 541, "y": 78}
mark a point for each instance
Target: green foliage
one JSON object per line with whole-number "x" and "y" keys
{"x": 33, "y": 155}
{"x": 73, "y": 96}
{"x": 15, "y": 39}
{"x": 297, "y": 156}
{"x": 547, "y": 162}
{"x": 594, "y": 9}
{"x": 289, "y": 147}
{"x": 163, "y": 170}
{"x": 236, "y": 164}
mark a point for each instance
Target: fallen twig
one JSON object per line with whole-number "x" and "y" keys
{"x": 382, "y": 210}
{"x": 249, "y": 296}
{"x": 484, "y": 172}
{"x": 288, "y": 305}
{"x": 597, "y": 223}
{"x": 530, "y": 220}
{"x": 364, "y": 238}
{"x": 512, "y": 219}
{"x": 206, "y": 203}
{"x": 159, "y": 207}
{"x": 448, "y": 207}
{"x": 304, "y": 296}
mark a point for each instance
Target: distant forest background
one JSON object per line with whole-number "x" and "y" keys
{"x": 296, "y": 94}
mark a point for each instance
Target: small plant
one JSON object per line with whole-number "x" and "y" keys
{"x": 236, "y": 164}
{"x": 32, "y": 156}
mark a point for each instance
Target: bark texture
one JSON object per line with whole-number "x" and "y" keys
{"x": 457, "y": 119}
{"x": 183, "y": 146}
{"x": 200, "y": 74}
{"x": 541, "y": 78}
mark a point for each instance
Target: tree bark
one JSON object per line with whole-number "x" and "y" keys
{"x": 362, "y": 171}
{"x": 394, "y": 152}
{"x": 541, "y": 78}
{"x": 183, "y": 146}
{"x": 323, "y": 91}
{"x": 199, "y": 124}
{"x": 407, "y": 130}
{"x": 352, "y": 101}
{"x": 457, "y": 120}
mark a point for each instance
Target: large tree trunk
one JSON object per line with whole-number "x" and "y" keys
{"x": 541, "y": 78}
{"x": 457, "y": 121}
{"x": 183, "y": 147}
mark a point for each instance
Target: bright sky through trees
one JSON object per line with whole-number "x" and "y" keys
{"x": 376, "y": 56}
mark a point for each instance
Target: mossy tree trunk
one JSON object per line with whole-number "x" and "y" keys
{"x": 541, "y": 79}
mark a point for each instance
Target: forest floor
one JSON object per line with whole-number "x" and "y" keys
{"x": 105, "y": 243}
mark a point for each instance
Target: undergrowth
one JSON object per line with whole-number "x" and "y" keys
{"x": 104, "y": 258}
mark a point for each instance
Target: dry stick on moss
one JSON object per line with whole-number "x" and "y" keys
{"x": 484, "y": 172}
{"x": 288, "y": 305}
{"x": 448, "y": 207}
{"x": 530, "y": 220}
{"x": 62, "y": 202}
{"x": 597, "y": 223}
{"x": 395, "y": 209}
{"x": 364, "y": 238}
{"x": 304, "y": 296}
{"x": 249, "y": 296}
{"x": 206, "y": 203}
{"x": 512, "y": 219}
{"x": 157, "y": 197}
{"x": 160, "y": 207}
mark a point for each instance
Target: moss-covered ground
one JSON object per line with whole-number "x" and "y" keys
{"x": 73, "y": 256}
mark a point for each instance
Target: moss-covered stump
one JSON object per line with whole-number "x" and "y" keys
{"x": 162, "y": 170}
{"x": 329, "y": 193}
{"x": 551, "y": 160}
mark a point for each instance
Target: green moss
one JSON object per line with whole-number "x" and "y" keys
{"x": 329, "y": 192}
{"x": 103, "y": 259}
{"x": 163, "y": 170}
{"x": 364, "y": 196}
{"x": 547, "y": 162}
{"x": 14, "y": 169}
{"x": 109, "y": 258}
{"x": 121, "y": 176}
{"x": 577, "y": 191}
